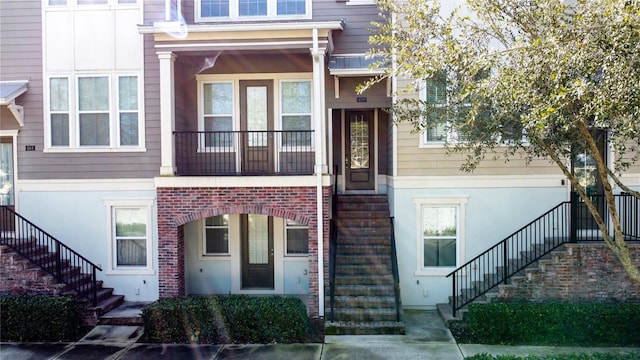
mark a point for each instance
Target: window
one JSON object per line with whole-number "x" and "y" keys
{"x": 93, "y": 111}
{"x": 216, "y": 235}
{"x": 296, "y": 113}
{"x": 130, "y": 236}
{"x": 216, "y": 10}
{"x": 435, "y": 94}
{"x": 252, "y": 7}
{"x": 291, "y": 7}
{"x": 59, "y": 111}
{"x": 218, "y": 113}
{"x": 98, "y": 112}
{"x": 296, "y": 238}
{"x": 440, "y": 234}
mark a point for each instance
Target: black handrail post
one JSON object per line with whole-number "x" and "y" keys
{"x": 455, "y": 294}
{"x": 395, "y": 271}
{"x": 573, "y": 222}
{"x": 95, "y": 287}
{"x": 58, "y": 262}
{"x": 505, "y": 261}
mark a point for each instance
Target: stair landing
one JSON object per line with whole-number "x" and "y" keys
{"x": 127, "y": 313}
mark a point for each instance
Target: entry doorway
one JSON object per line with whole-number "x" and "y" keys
{"x": 359, "y": 150}
{"x": 256, "y": 124}
{"x": 256, "y": 247}
{"x": 585, "y": 169}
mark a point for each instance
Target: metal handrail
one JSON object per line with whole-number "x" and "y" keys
{"x": 66, "y": 265}
{"x": 533, "y": 241}
{"x": 240, "y": 153}
{"x": 394, "y": 270}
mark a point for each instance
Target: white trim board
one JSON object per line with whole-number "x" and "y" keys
{"x": 476, "y": 181}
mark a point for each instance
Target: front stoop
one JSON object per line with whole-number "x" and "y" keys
{"x": 364, "y": 302}
{"x": 127, "y": 313}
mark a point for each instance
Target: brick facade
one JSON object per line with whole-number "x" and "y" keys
{"x": 179, "y": 206}
{"x": 20, "y": 276}
{"x": 583, "y": 272}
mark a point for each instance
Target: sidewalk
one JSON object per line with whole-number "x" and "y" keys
{"x": 427, "y": 338}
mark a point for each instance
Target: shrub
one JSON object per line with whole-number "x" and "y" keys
{"x": 555, "y": 324}
{"x": 265, "y": 319}
{"x": 39, "y": 318}
{"x": 594, "y": 356}
{"x": 236, "y": 318}
{"x": 182, "y": 320}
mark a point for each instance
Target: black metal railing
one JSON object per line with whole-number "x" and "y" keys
{"x": 570, "y": 221}
{"x": 232, "y": 153}
{"x": 67, "y": 266}
{"x": 333, "y": 246}
{"x": 394, "y": 270}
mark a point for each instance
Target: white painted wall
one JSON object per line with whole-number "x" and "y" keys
{"x": 78, "y": 218}
{"x": 491, "y": 215}
{"x": 221, "y": 274}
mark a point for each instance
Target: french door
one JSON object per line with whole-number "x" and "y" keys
{"x": 256, "y": 125}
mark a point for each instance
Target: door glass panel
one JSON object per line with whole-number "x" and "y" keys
{"x": 6, "y": 173}
{"x": 258, "y": 239}
{"x": 584, "y": 167}
{"x": 359, "y": 142}
{"x": 257, "y": 115}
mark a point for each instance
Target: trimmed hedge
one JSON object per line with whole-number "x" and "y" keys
{"x": 594, "y": 356}
{"x": 40, "y": 318}
{"x": 555, "y": 324}
{"x": 226, "y": 319}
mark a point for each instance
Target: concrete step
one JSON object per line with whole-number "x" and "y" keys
{"x": 364, "y": 328}
{"x": 363, "y": 269}
{"x": 364, "y": 249}
{"x": 365, "y": 302}
{"x": 364, "y": 314}
{"x": 364, "y": 290}
{"x": 364, "y": 280}
{"x": 127, "y": 313}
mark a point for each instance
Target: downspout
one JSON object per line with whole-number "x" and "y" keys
{"x": 318, "y": 60}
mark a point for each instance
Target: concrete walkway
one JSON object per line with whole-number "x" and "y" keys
{"x": 427, "y": 338}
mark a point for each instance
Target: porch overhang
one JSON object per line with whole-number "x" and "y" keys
{"x": 357, "y": 65}
{"x": 174, "y": 36}
{"x": 9, "y": 91}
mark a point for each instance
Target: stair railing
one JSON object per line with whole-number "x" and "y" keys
{"x": 33, "y": 243}
{"x": 333, "y": 243}
{"x": 557, "y": 226}
{"x": 394, "y": 270}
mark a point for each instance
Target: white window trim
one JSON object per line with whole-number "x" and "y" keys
{"x": 203, "y": 244}
{"x": 234, "y": 13}
{"x": 284, "y": 237}
{"x": 278, "y": 124}
{"x": 420, "y": 203}
{"x": 114, "y": 112}
{"x": 110, "y": 204}
{"x": 74, "y": 3}
{"x": 235, "y": 114}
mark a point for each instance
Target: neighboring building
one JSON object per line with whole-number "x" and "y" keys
{"x": 193, "y": 147}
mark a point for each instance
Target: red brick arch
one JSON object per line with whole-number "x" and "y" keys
{"x": 180, "y": 206}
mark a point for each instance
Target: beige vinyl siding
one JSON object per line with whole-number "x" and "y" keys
{"x": 21, "y": 59}
{"x": 376, "y": 96}
{"x": 357, "y": 18}
{"x": 432, "y": 160}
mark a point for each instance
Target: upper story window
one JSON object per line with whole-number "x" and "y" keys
{"x": 90, "y": 2}
{"x": 94, "y": 111}
{"x": 226, "y": 10}
{"x": 434, "y": 94}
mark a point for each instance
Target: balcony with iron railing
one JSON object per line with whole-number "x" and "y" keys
{"x": 244, "y": 153}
